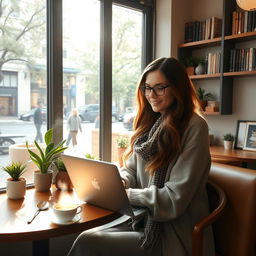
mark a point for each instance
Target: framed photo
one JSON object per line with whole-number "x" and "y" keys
{"x": 240, "y": 133}
{"x": 250, "y": 136}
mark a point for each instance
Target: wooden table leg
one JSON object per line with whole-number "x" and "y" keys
{"x": 41, "y": 247}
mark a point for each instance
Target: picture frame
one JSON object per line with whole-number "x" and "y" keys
{"x": 240, "y": 133}
{"x": 250, "y": 136}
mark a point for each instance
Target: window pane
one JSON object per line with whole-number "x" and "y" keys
{"x": 127, "y": 56}
{"x": 23, "y": 35}
{"x": 81, "y": 73}
{"x": 22, "y": 81}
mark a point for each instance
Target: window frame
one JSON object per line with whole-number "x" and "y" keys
{"x": 55, "y": 64}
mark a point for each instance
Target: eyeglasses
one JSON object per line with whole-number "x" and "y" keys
{"x": 158, "y": 89}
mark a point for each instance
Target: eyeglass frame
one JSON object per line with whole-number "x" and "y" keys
{"x": 144, "y": 87}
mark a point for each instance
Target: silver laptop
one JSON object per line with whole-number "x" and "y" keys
{"x": 98, "y": 183}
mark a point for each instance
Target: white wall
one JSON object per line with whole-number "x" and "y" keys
{"x": 175, "y": 13}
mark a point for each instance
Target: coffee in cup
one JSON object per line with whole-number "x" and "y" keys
{"x": 66, "y": 213}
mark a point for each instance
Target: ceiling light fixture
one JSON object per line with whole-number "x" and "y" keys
{"x": 248, "y": 5}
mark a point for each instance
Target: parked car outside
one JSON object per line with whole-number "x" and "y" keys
{"x": 128, "y": 119}
{"x": 90, "y": 113}
{"x": 127, "y": 110}
{"x": 29, "y": 116}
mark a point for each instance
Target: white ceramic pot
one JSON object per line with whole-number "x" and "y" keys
{"x": 19, "y": 153}
{"x": 16, "y": 189}
{"x": 199, "y": 70}
{"x": 228, "y": 144}
{"x": 42, "y": 181}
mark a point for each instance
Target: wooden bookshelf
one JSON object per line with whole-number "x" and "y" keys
{"x": 227, "y": 42}
{"x": 211, "y": 113}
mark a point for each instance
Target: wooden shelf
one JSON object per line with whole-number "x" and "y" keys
{"x": 207, "y": 43}
{"x": 211, "y": 113}
{"x": 205, "y": 76}
{"x": 241, "y": 37}
{"x": 241, "y": 73}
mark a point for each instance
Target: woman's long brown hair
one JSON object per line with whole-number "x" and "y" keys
{"x": 176, "y": 119}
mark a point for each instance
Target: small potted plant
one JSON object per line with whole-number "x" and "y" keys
{"x": 203, "y": 97}
{"x": 122, "y": 144}
{"x": 16, "y": 185}
{"x": 191, "y": 63}
{"x": 228, "y": 140}
{"x": 62, "y": 180}
{"x": 44, "y": 159}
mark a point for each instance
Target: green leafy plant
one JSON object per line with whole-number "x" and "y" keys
{"x": 203, "y": 95}
{"x": 122, "y": 142}
{"x": 51, "y": 153}
{"x": 228, "y": 137}
{"x": 192, "y": 61}
{"x": 60, "y": 165}
{"x": 15, "y": 170}
{"x": 90, "y": 156}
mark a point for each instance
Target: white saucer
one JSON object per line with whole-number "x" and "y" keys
{"x": 58, "y": 222}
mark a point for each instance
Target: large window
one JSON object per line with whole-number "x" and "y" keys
{"x": 22, "y": 79}
{"x": 86, "y": 57}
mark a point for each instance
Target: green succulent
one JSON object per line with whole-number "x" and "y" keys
{"x": 45, "y": 158}
{"x": 229, "y": 137}
{"x": 15, "y": 170}
{"x": 122, "y": 142}
{"x": 192, "y": 61}
{"x": 203, "y": 95}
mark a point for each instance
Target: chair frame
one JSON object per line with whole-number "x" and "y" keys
{"x": 197, "y": 234}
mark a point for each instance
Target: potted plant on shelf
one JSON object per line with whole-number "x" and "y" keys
{"x": 16, "y": 185}
{"x": 203, "y": 97}
{"x": 122, "y": 144}
{"x": 44, "y": 159}
{"x": 191, "y": 63}
{"x": 62, "y": 179}
{"x": 228, "y": 140}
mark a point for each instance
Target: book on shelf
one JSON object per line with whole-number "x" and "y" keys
{"x": 215, "y": 27}
{"x": 243, "y": 21}
{"x": 202, "y": 30}
{"x": 242, "y": 59}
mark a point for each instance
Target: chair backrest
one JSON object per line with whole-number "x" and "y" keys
{"x": 235, "y": 230}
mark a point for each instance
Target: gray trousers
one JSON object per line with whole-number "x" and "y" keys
{"x": 116, "y": 241}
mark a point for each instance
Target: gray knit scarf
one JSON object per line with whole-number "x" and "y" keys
{"x": 146, "y": 147}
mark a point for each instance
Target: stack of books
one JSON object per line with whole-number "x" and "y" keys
{"x": 203, "y": 30}
{"x": 242, "y": 59}
{"x": 243, "y": 22}
{"x": 212, "y": 63}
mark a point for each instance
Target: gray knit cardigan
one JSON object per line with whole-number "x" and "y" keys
{"x": 183, "y": 200}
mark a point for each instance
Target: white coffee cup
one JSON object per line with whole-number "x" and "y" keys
{"x": 66, "y": 213}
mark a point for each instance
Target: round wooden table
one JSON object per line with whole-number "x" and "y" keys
{"x": 16, "y": 213}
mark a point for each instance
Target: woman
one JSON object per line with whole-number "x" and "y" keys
{"x": 166, "y": 171}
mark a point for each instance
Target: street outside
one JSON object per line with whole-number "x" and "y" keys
{"x": 27, "y": 129}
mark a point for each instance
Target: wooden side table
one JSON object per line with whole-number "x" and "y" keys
{"x": 233, "y": 156}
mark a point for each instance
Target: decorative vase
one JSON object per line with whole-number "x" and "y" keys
{"x": 199, "y": 70}
{"x": 42, "y": 181}
{"x": 228, "y": 144}
{"x": 16, "y": 189}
